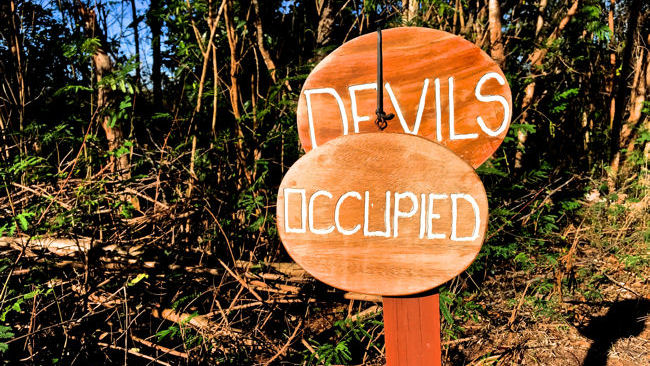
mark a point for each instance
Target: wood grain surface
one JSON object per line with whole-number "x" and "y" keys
{"x": 421, "y": 67}
{"x": 412, "y": 330}
{"x": 363, "y": 247}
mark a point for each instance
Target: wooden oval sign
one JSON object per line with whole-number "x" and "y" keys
{"x": 379, "y": 213}
{"x": 438, "y": 85}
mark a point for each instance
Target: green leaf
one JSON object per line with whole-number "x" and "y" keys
{"x": 22, "y": 219}
{"x": 138, "y": 278}
{"x": 31, "y": 295}
{"x": 5, "y": 332}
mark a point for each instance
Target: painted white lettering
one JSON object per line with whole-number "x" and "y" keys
{"x": 353, "y": 101}
{"x": 366, "y": 215}
{"x": 311, "y": 213}
{"x": 398, "y": 110}
{"x": 398, "y": 213}
{"x": 454, "y": 216}
{"x": 492, "y": 98}
{"x": 438, "y": 111}
{"x": 423, "y": 212}
{"x": 303, "y": 210}
{"x": 310, "y": 114}
{"x": 431, "y": 215}
{"x": 452, "y": 129}
{"x": 337, "y": 213}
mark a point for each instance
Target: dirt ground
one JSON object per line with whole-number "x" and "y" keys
{"x": 610, "y": 331}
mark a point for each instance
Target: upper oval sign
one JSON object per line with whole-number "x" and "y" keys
{"x": 438, "y": 85}
{"x": 382, "y": 213}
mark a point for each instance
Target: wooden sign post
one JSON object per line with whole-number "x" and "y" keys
{"x": 386, "y": 214}
{"x": 395, "y": 214}
{"x": 412, "y": 329}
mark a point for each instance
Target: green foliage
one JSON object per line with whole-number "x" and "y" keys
{"x": 563, "y": 99}
{"x": 327, "y": 354}
{"x": 82, "y": 49}
{"x": 338, "y": 350}
{"x": 592, "y": 17}
{"x": 5, "y": 333}
{"x": 120, "y": 79}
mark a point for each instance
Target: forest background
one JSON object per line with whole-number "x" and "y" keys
{"x": 142, "y": 144}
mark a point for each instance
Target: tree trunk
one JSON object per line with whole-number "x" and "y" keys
{"x": 622, "y": 93}
{"x": 16, "y": 51}
{"x": 410, "y": 10}
{"x": 540, "y": 17}
{"x": 156, "y": 31}
{"x": 480, "y": 28}
{"x": 325, "y": 24}
{"x": 233, "y": 40}
{"x": 642, "y": 70}
{"x": 136, "y": 39}
{"x": 259, "y": 33}
{"x": 325, "y": 28}
{"x": 102, "y": 66}
{"x": 536, "y": 59}
{"x": 609, "y": 87}
{"x": 496, "y": 42}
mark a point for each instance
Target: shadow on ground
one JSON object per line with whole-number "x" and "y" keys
{"x": 623, "y": 319}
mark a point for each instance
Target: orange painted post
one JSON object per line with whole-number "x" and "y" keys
{"x": 412, "y": 330}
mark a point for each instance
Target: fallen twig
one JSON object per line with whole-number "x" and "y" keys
{"x": 133, "y": 352}
{"x": 58, "y": 246}
{"x": 513, "y": 316}
{"x": 165, "y": 350}
{"x": 362, "y": 297}
{"x": 240, "y": 280}
{"x": 284, "y": 348}
{"x": 43, "y": 195}
{"x": 370, "y": 312}
{"x": 622, "y": 285}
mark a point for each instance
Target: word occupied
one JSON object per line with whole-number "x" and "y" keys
{"x": 382, "y": 213}
{"x": 438, "y": 85}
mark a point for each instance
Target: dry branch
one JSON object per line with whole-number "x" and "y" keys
{"x": 362, "y": 297}
{"x": 165, "y": 350}
{"x": 370, "y": 312}
{"x": 58, "y": 246}
{"x": 133, "y": 352}
{"x": 284, "y": 348}
{"x": 241, "y": 281}
{"x": 197, "y": 321}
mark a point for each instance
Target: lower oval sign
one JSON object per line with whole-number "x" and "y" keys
{"x": 382, "y": 213}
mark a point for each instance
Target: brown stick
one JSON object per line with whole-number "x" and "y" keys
{"x": 165, "y": 350}
{"x": 513, "y": 315}
{"x": 361, "y": 297}
{"x": 64, "y": 247}
{"x": 369, "y": 312}
{"x": 284, "y": 348}
{"x": 43, "y": 194}
{"x": 135, "y": 353}
{"x": 241, "y": 281}
{"x": 198, "y": 321}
